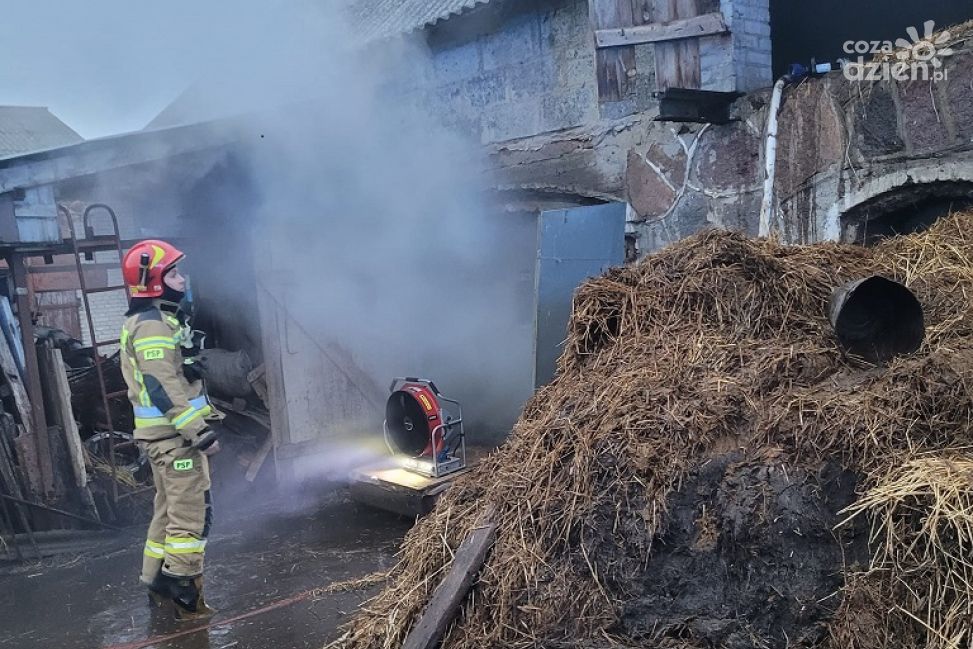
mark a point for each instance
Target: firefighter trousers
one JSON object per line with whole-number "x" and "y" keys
{"x": 183, "y": 511}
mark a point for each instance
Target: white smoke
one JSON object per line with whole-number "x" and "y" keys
{"x": 367, "y": 216}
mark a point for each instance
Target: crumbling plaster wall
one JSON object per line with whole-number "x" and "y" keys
{"x": 677, "y": 178}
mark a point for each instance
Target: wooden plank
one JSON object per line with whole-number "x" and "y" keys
{"x": 449, "y": 594}
{"x": 36, "y": 214}
{"x": 258, "y": 417}
{"x": 36, "y": 422}
{"x": 258, "y": 379}
{"x": 677, "y": 63}
{"x": 67, "y": 279}
{"x": 59, "y": 310}
{"x": 658, "y": 32}
{"x": 10, "y": 478}
{"x": 690, "y": 65}
{"x": 27, "y": 469}
{"x": 276, "y": 400}
{"x": 61, "y": 397}
{"x": 260, "y": 458}
{"x": 11, "y": 482}
{"x": 59, "y": 266}
{"x": 615, "y": 67}
{"x": 690, "y": 69}
{"x": 11, "y": 333}
{"x": 8, "y": 222}
{"x": 12, "y": 376}
{"x": 37, "y": 202}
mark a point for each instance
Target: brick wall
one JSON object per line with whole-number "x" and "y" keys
{"x": 749, "y": 23}
{"x": 717, "y": 67}
{"x": 107, "y": 309}
{"x": 740, "y": 60}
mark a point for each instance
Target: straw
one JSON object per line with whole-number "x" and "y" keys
{"x": 717, "y": 340}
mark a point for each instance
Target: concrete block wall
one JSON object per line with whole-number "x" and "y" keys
{"x": 717, "y": 66}
{"x": 516, "y": 68}
{"x": 749, "y": 23}
{"x": 529, "y": 71}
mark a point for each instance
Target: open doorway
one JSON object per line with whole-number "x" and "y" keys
{"x": 907, "y": 209}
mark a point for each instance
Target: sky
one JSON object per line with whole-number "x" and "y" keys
{"x": 109, "y": 66}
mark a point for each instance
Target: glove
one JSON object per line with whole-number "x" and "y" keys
{"x": 194, "y": 369}
{"x": 207, "y": 442}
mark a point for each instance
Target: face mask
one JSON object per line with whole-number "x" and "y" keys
{"x": 171, "y": 295}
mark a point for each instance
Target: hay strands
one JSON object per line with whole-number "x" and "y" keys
{"x": 448, "y": 596}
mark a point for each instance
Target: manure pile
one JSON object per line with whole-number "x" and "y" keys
{"x": 709, "y": 470}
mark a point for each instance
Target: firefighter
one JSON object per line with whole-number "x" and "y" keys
{"x": 171, "y": 425}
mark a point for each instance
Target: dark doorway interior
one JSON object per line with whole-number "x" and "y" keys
{"x": 905, "y": 210}
{"x": 804, "y": 30}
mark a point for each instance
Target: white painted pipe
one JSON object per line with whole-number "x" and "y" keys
{"x": 767, "y": 212}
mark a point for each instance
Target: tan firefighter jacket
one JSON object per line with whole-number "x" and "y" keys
{"x": 166, "y": 405}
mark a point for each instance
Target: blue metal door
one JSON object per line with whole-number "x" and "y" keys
{"x": 573, "y": 245}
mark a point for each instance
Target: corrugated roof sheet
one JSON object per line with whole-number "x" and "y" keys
{"x": 32, "y": 128}
{"x": 383, "y": 18}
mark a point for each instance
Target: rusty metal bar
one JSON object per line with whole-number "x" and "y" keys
{"x": 60, "y": 512}
{"x": 106, "y": 289}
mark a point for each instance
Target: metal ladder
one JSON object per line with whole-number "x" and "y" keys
{"x": 88, "y": 246}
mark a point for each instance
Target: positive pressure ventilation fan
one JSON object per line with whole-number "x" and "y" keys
{"x": 420, "y": 432}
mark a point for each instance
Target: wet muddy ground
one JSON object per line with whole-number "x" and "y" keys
{"x": 263, "y": 568}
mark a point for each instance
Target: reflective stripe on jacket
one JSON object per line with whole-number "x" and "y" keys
{"x": 164, "y": 402}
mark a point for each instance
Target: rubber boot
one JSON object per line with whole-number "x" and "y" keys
{"x": 160, "y": 591}
{"x": 157, "y": 601}
{"x": 189, "y": 600}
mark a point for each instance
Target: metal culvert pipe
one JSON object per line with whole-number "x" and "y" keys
{"x": 876, "y": 319}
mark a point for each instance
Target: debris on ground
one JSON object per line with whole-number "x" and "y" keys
{"x": 709, "y": 469}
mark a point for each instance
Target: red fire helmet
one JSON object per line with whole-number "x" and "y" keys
{"x": 144, "y": 265}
